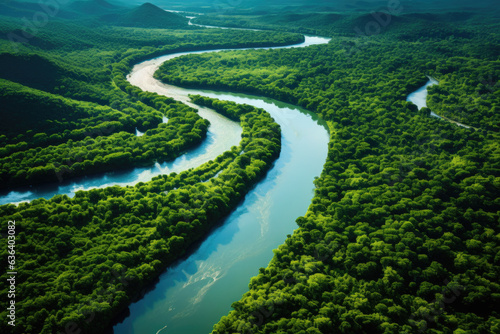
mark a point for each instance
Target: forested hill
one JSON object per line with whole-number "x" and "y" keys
{"x": 96, "y": 13}
{"x": 398, "y": 20}
{"x": 148, "y": 16}
{"x": 301, "y": 6}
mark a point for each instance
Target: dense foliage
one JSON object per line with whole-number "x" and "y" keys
{"x": 79, "y": 138}
{"x": 391, "y": 17}
{"x": 402, "y": 235}
{"x": 85, "y": 258}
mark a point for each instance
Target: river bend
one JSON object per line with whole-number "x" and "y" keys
{"x": 194, "y": 293}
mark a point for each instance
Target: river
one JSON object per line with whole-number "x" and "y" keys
{"x": 194, "y": 293}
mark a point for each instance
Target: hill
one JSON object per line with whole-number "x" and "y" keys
{"x": 92, "y": 7}
{"x": 96, "y": 12}
{"x": 148, "y": 16}
{"x": 31, "y": 70}
{"x": 20, "y": 9}
{"x": 304, "y": 6}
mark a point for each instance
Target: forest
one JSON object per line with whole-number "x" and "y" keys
{"x": 402, "y": 234}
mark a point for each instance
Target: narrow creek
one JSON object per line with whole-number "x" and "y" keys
{"x": 419, "y": 98}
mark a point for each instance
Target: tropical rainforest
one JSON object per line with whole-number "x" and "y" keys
{"x": 402, "y": 234}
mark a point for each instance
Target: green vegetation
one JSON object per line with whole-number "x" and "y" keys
{"x": 390, "y": 17}
{"x": 402, "y": 235}
{"x": 469, "y": 93}
{"x": 262, "y": 7}
{"x": 91, "y": 140}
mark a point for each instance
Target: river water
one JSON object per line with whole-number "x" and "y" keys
{"x": 419, "y": 97}
{"x": 194, "y": 293}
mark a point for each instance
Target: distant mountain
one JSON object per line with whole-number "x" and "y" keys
{"x": 99, "y": 12}
{"x": 92, "y": 7}
{"x": 20, "y": 9}
{"x": 275, "y": 6}
{"x": 147, "y": 16}
{"x": 31, "y": 70}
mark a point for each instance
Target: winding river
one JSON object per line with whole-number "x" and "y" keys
{"x": 194, "y": 293}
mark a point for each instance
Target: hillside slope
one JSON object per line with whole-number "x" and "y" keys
{"x": 148, "y": 16}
